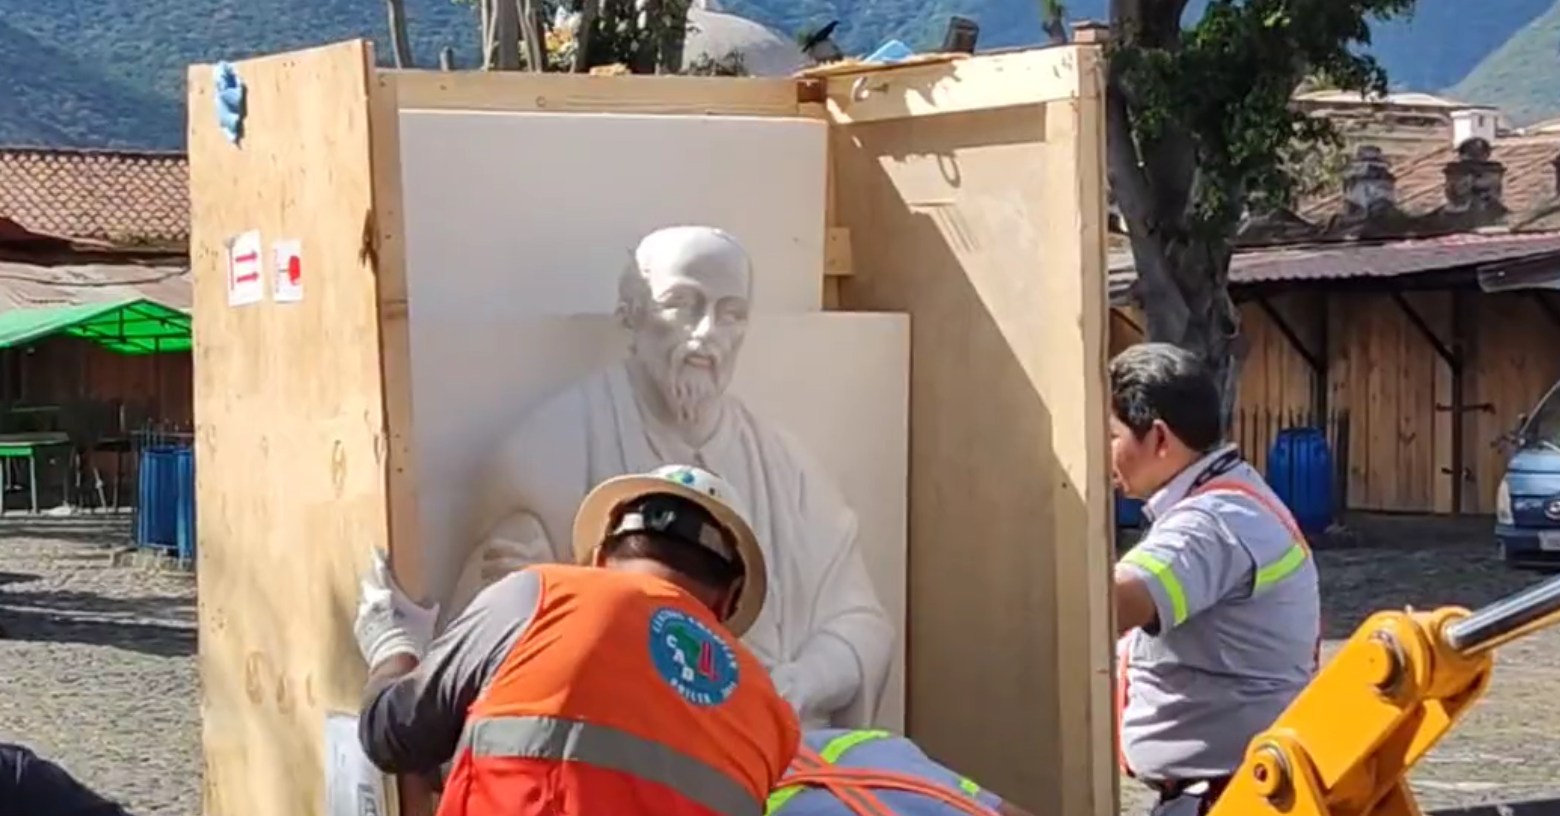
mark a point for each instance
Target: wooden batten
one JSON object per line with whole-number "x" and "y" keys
{"x": 954, "y": 86}
{"x": 579, "y": 93}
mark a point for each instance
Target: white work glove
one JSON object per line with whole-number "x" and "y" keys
{"x": 388, "y": 621}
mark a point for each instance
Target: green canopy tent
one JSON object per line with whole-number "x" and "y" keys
{"x": 136, "y": 326}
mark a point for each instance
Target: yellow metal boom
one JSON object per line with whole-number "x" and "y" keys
{"x": 1346, "y": 744}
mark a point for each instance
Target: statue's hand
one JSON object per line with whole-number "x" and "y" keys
{"x": 791, "y": 682}
{"x": 501, "y": 557}
{"x": 517, "y": 543}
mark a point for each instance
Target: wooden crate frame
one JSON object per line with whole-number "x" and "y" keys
{"x": 967, "y": 193}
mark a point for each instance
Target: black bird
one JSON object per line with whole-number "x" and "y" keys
{"x": 820, "y": 47}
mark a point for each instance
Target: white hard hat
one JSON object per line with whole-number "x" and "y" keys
{"x": 592, "y": 524}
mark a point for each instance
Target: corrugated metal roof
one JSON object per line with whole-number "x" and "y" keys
{"x": 25, "y": 286}
{"x": 1342, "y": 261}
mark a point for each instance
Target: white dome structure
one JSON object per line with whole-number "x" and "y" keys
{"x": 715, "y": 34}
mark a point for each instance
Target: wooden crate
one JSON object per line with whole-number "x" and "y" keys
{"x": 966, "y": 193}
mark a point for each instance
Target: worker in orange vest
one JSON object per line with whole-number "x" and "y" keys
{"x": 573, "y": 691}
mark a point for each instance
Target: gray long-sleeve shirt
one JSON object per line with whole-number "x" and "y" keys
{"x": 413, "y": 723}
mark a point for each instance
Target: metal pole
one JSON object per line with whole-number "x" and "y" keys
{"x": 1507, "y": 619}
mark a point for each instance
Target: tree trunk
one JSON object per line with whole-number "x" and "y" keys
{"x": 399, "y": 42}
{"x": 1195, "y": 312}
{"x": 584, "y": 33}
{"x": 506, "y": 35}
{"x": 647, "y": 55}
{"x": 533, "y": 34}
{"x": 1182, "y": 272}
{"x": 673, "y": 38}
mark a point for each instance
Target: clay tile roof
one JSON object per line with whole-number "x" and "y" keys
{"x": 124, "y": 197}
{"x": 1421, "y": 179}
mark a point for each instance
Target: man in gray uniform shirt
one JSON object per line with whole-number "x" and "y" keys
{"x": 1217, "y": 605}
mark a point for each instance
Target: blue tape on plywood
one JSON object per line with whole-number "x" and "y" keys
{"x": 230, "y": 101}
{"x": 891, "y": 52}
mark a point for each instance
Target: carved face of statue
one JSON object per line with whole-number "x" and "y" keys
{"x": 693, "y": 316}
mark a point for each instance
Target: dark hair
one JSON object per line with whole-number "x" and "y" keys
{"x": 703, "y": 567}
{"x": 1158, "y": 381}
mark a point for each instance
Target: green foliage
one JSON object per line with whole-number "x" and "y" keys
{"x": 1224, "y": 85}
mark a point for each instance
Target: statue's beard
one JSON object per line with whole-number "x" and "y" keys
{"x": 691, "y": 392}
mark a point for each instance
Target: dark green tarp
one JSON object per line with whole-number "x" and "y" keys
{"x": 127, "y": 326}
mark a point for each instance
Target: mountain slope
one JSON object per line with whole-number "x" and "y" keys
{"x": 112, "y": 72}
{"x": 1433, "y": 48}
{"x": 59, "y": 99}
{"x": 1521, "y": 76}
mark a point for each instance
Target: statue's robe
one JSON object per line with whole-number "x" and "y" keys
{"x": 819, "y": 590}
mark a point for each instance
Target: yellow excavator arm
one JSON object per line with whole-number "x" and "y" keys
{"x": 1346, "y": 744}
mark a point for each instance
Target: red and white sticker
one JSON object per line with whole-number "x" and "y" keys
{"x": 245, "y": 280}
{"x": 288, "y": 259}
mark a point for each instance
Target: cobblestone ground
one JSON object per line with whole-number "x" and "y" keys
{"x": 97, "y": 669}
{"x": 97, "y": 666}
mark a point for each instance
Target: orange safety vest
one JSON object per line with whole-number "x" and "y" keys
{"x": 854, "y": 786}
{"x": 1285, "y": 518}
{"x": 624, "y": 696}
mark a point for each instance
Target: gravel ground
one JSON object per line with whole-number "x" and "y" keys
{"x": 97, "y": 670}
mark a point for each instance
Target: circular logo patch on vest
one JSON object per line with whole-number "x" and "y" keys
{"x": 692, "y": 659}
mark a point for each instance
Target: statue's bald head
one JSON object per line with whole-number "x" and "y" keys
{"x": 685, "y": 298}
{"x": 707, "y": 256}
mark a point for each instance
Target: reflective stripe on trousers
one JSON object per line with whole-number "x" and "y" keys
{"x": 608, "y": 748}
{"x": 1266, "y": 576}
{"x": 853, "y": 786}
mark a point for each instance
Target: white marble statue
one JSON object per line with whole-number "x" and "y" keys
{"x": 824, "y": 635}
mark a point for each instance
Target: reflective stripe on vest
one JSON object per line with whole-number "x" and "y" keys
{"x": 563, "y": 740}
{"x": 853, "y": 786}
{"x": 1266, "y": 576}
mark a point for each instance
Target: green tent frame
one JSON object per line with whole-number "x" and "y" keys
{"x": 136, "y": 326}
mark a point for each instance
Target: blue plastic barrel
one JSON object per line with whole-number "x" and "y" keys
{"x": 1129, "y": 511}
{"x": 1300, "y": 471}
{"x": 164, "y": 482}
{"x": 184, "y": 503}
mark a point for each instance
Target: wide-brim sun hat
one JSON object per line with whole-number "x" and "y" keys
{"x": 592, "y": 525}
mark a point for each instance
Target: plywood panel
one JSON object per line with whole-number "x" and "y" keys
{"x": 835, "y": 383}
{"x": 290, "y": 425}
{"x": 987, "y": 228}
{"x": 557, "y": 202}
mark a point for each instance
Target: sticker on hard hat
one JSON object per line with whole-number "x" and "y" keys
{"x": 695, "y": 661}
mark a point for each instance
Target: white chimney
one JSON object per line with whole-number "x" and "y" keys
{"x": 1473, "y": 123}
